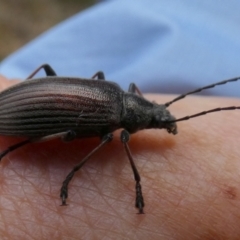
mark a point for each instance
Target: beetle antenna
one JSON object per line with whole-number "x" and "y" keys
{"x": 204, "y": 113}
{"x": 201, "y": 89}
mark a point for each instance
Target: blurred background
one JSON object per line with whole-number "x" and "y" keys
{"x": 23, "y": 20}
{"x": 165, "y": 46}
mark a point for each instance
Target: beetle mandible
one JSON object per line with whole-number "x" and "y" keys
{"x": 42, "y": 109}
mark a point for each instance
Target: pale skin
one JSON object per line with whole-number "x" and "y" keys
{"x": 190, "y": 182}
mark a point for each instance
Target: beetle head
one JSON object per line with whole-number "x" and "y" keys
{"x": 162, "y": 118}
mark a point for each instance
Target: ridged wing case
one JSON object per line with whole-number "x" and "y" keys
{"x": 44, "y": 106}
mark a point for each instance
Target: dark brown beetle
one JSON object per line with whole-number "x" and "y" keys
{"x": 63, "y": 107}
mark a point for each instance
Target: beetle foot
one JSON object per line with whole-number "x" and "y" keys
{"x": 141, "y": 211}
{"x": 140, "y": 208}
{"x": 64, "y": 195}
{"x": 139, "y": 198}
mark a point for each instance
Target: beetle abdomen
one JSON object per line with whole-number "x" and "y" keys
{"x": 50, "y": 105}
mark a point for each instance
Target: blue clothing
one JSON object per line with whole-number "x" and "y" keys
{"x": 163, "y": 46}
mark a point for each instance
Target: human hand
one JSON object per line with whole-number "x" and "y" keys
{"x": 190, "y": 182}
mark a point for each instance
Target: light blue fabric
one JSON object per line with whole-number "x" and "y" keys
{"x": 166, "y": 46}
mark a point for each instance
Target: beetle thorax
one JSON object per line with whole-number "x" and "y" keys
{"x": 139, "y": 113}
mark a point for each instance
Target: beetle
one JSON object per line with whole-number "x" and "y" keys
{"x": 52, "y": 107}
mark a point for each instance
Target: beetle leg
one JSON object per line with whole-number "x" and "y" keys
{"x": 69, "y": 136}
{"x": 47, "y": 68}
{"x": 13, "y": 147}
{"x": 64, "y": 189}
{"x": 139, "y": 197}
{"x": 133, "y": 88}
{"x": 66, "y": 136}
{"x": 99, "y": 75}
